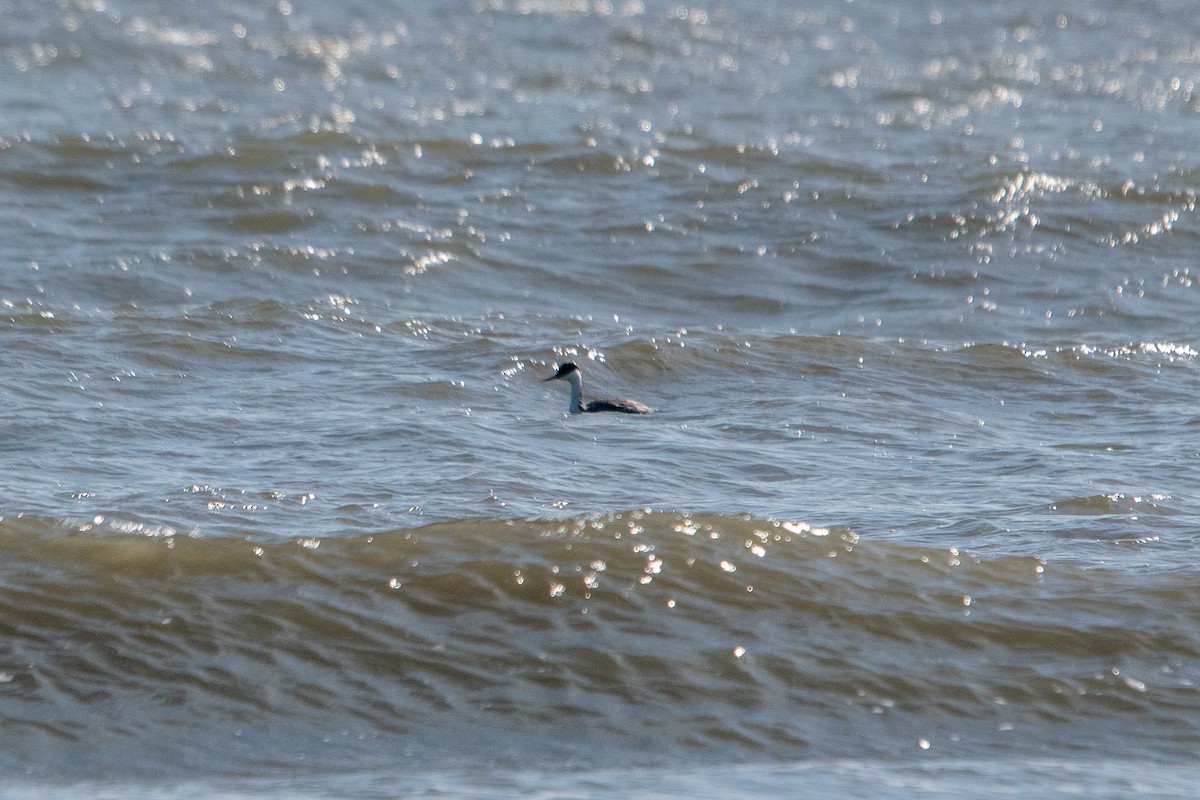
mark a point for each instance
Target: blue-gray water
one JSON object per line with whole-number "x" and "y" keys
{"x": 286, "y": 509}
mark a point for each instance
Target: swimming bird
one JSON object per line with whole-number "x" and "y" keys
{"x": 570, "y": 373}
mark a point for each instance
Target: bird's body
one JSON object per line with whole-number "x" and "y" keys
{"x": 570, "y": 373}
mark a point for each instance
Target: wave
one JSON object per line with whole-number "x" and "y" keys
{"x": 587, "y": 640}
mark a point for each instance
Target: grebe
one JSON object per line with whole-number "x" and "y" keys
{"x": 570, "y": 373}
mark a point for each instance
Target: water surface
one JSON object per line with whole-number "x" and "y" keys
{"x": 286, "y": 510}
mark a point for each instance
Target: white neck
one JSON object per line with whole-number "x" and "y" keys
{"x": 576, "y": 402}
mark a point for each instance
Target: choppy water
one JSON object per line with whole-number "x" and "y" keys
{"x": 286, "y": 510}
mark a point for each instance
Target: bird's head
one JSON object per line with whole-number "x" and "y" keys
{"x": 564, "y": 370}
